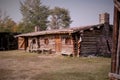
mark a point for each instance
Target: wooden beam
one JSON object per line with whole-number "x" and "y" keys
{"x": 115, "y": 60}
{"x": 81, "y": 31}
{"x": 98, "y": 27}
{"x": 118, "y": 53}
{"x": 117, "y": 4}
{"x": 114, "y": 76}
{"x": 115, "y": 42}
{"x": 91, "y": 29}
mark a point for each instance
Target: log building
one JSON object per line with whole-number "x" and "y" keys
{"x": 76, "y": 41}
{"x": 7, "y": 41}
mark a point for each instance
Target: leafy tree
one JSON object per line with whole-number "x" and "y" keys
{"x": 22, "y": 28}
{"x": 59, "y": 18}
{"x": 6, "y": 23}
{"x": 34, "y": 14}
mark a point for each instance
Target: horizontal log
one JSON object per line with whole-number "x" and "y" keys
{"x": 89, "y": 40}
{"x": 91, "y": 37}
{"x": 92, "y": 34}
{"x": 88, "y": 52}
{"x": 88, "y": 43}
{"x": 88, "y": 48}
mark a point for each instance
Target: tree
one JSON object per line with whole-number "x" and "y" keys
{"x": 59, "y": 18}
{"x": 9, "y": 25}
{"x": 34, "y": 14}
{"x": 6, "y": 23}
{"x": 22, "y": 28}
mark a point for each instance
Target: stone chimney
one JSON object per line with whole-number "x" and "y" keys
{"x": 104, "y": 18}
{"x": 37, "y": 28}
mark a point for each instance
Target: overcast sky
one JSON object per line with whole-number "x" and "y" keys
{"x": 82, "y": 12}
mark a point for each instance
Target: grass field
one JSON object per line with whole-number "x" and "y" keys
{"x": 20, "y": 65}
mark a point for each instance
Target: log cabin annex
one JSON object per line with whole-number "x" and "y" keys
{"x": 76, "y": 41}
{"x": 8, "y": 41}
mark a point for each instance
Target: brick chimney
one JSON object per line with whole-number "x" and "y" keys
{"x": 104, "y": 18}
{"x": 37, "y": 28}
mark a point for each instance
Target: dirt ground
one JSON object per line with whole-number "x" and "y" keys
{"x": 20, "y": 65}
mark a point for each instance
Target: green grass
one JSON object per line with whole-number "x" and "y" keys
{"x": 19, "y": 65}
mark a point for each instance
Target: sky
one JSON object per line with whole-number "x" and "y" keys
{"x": 82, "y": 12}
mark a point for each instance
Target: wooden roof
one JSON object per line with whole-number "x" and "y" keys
{"x": 86, "y": 27}
{"x": 59, "y": 31}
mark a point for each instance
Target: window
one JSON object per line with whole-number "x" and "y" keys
{"x": 46, "y": 41}
{"x": 67, "y": 41}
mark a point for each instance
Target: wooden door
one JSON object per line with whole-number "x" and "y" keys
{"x": 21, "y": 43}
{"x": 58, "y": 46}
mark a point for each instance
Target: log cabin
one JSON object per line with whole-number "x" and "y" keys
{"x": 54, "y": 40}
{"x": 75, "y": 41}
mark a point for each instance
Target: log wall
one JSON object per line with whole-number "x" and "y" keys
{"x": 40, "y": 42}
{"x": 57, "y": 43}
{"x": 51, "y": 42}
{"x": 67, "y": 44}
{"x": 7, "y": 41}
{"x": 95, "y": 43}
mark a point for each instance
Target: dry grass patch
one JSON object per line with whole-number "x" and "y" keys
{"x": 19, "y": 65}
